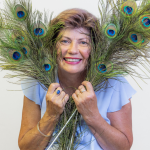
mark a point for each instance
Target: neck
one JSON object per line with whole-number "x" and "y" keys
{"x": 70, "y": 82}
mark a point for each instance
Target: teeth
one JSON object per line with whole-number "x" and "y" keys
{"x": 72, "y": 60}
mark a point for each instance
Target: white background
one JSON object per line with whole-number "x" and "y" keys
{"x": 11, "y": 102}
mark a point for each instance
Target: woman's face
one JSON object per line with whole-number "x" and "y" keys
{"x": 73, "y": 50}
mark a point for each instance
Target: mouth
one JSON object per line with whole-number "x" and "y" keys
{"x": 72, "y": 60}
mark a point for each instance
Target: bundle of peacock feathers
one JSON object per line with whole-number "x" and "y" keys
{"x": 122, "y": 35}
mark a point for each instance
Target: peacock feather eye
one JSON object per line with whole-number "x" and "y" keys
{"x": 144, "y": 42}
{"x": 111, "y": 31}
{"x": 47, "y": 67}
{"x": 26, "y": 50}
{"x": 135, "y": 38}
{"x": 39, "y": 30}
{"x": 129, "y": 8}
{"x": 19, "y": 39}
{"x": 104, "y": 67}
{"x": 145, "y": 21}
{"x": 15, "y": 55}
{"x": 20, "y": 12}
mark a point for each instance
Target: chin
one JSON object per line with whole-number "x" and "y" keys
{"x": 72, "y": 70}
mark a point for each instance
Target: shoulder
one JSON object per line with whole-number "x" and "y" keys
{"x": 33, "y": 90}
{"x": 116, "y": 94}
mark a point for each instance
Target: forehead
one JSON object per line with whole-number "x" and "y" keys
{"x": 75, "y": 33}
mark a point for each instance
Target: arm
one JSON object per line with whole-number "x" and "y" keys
{"x": 30, "y": 138}
{"x": 118, "y": 135}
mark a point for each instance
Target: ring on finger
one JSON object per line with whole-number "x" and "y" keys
{"x": 82, "y": 91}
{"x": 58, "y": 92}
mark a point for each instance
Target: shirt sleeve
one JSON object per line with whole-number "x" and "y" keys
{"x": 33, "y": 90}
{"x": 122, "y": 92}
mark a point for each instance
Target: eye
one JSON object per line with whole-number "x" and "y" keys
{"x": 84, "y": 42}
{"x": 64, "y": 41}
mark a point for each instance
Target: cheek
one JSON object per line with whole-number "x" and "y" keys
{"x": 61, "y": 51}
{"x": 60, "y": 54}
{"x": 86, "y": 54}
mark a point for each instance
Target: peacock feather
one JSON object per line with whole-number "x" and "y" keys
{"x": 144, "y": 42}
{"x": 38, "y": 30}
{"x": 129, "y": 8}
{"x": 145, "y": 21}
{"x": 104, "y": 67}
{"x": 135, "y": 38}
{"x": 21, "y": 43}
{"x": 26, "y": 50}
{"x": 111, "y": 31}
{"x": 121, "y": 42}
{"x": 20, "y": 12}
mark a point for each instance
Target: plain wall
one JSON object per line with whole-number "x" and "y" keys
{"x": 11, "y": 102}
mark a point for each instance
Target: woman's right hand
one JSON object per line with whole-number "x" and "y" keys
{"x": 55, "y": 102}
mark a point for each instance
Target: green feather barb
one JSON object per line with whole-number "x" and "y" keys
{"x": 118, "y": 43}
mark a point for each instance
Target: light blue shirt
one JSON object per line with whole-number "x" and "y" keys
{"x": 110, "y": 99}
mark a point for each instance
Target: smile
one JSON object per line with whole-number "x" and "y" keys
{"x": 72, "y": 61}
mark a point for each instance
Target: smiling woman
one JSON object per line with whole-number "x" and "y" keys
{"x": 98, "y": 110}
{"x": 103, "y": 120}
{"x": 74, "y": 50}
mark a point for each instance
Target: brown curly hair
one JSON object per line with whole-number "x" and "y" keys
{"x": 71, "y": 18}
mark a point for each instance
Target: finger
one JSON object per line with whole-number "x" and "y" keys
{"x": 88, "y": 86}
{"x": 77, "y": 92}
{"x": 58, "y": 91}
{"x": 74, "y": 96}
{"x": 53, "y": 87}
{"x": 61, "y": 96}
{"x": 82, "y": 88}
{"x": 65, "y": 99}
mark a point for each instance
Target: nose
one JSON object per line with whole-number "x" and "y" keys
{"x": 73, "y": 48}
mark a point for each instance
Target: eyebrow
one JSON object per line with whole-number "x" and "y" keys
{"x": 78, "y": 39}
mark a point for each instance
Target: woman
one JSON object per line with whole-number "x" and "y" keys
{"x": 107, "y": 113}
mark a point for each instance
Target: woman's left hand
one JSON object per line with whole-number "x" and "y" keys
{"x": 85, "y": 100}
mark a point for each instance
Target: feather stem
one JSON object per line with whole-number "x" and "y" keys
{"x": 62, "y": 130}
